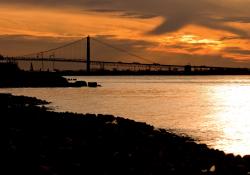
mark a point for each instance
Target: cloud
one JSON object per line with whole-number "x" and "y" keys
{"x": 104, "y": 47}
{"x": 123, "y": 13}
{"x": 192, "y": 54}
{"x": 237, "y": 50}
{"x": 215, "y": 24}
{"x": 109, "y": 48}
{"x": 177, "y": 14}
{"x": 239, "y": 19}
{"x": 24, "y": 44}
{"x": 228, "y": 19}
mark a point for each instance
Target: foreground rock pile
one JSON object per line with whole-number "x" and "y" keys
{"x": 49, "y": 143}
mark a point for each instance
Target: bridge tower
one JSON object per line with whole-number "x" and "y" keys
{"x": 88, "y": 55}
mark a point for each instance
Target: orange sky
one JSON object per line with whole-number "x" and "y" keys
{"x": 161, "y": 35}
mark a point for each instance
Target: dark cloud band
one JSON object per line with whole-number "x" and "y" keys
{"x": 178, "y": 13}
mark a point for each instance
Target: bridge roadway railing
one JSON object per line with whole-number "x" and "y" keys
{"x": 103, "y": 64}
{"x": 133, "y": 65}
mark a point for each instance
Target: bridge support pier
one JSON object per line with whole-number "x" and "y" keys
{"x": 88, "y": 55}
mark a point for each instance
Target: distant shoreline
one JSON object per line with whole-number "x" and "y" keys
{"x": 110, "y": 73}
{"x": 68, "y": 143}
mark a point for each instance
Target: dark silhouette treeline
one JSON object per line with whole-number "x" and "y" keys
{"x": 48, "y": 143}
{"x": 12, "y": 76}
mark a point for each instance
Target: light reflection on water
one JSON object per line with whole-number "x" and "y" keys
{"x": 234, "y": 118}
{"x": 212, "y": 109}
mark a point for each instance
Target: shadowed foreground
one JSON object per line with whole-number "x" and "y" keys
{"x": 44, "y": 142}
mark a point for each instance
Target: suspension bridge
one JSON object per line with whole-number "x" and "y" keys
{"x": 81, "y": 51}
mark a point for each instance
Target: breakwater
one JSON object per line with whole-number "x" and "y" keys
{"x": 45, "y": 142}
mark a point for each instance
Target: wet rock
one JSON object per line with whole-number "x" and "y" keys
{"x": 72, "y": 144}
{"x": 79, "y": 84}
{"x": 92, "y": 84}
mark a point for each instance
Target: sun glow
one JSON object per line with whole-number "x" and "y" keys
{"x": 192, "y": 39}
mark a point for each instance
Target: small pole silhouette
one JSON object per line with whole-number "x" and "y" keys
{"x": 31, "y": 67}
{"x": 42, "y": 61}
{"x": 88, "y": 55}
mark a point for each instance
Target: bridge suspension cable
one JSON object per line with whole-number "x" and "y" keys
{"x": 79, "y": 52}
{"x": 70, "y": 50}
{"x": 122, "y": 50}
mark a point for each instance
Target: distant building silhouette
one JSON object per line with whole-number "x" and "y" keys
{"x": 188, "y": 68}
{"x": 1, "y": 57}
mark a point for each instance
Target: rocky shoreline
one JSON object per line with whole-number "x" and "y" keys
{"x": 51, "y": 143}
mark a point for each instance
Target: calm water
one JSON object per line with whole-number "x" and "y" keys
{"x": 214, "y": 110}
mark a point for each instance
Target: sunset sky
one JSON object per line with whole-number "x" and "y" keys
{"x": 197, "y": 32}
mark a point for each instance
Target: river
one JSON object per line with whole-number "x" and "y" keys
{"x": 214, "y": 110}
